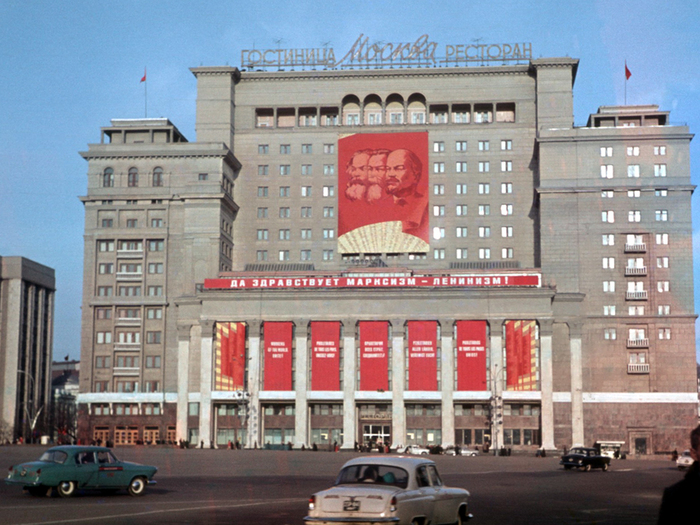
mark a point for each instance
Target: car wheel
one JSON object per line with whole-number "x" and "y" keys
{"x": 567, "y": 467}
{"x": 137, "y": 486}
{"x": 66, "y": 489}
{"x": 38, "y": 491}
{"x": 423, "y": 453}
{"x": 587, "y": 468}
{"x": 605, "y": 467}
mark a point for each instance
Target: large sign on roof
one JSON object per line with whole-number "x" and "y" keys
{"x": 504, "y": 280}
{"x": 421, "y": 52}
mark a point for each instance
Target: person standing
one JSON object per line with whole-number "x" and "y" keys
{"x": 679, "y": 504}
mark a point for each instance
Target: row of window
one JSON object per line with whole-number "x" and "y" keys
{"x": 133, "y": 223}
{"x": 438, "y": 254}
{"x": 108, "y": 179}
{"x": 483, "y": 188}
{"x": 636, "y": 334}
{"x": 632, "y": 151}
{"x": 126, "y": 409}
{"x": 129, "y": 268}
{"x": 482, "y": 145}
{"x": 306, "y": 211}
{"x": 153, "y": 245}
{"x": 128, "y": 361}
{"x": 638, "y": 310}
{"x": 126, "y": 386}
{"x": 126, "y": 337}
{"x": 306, "y": 149}
{"x": 438, "y": 168}
{"x": 634, "y": 194}
{"x": 607, "y": 171}
{"x": 130, "y": 291}
{"x": 635, "y": 263}
{"x": 634, "y": 216}
{"x": 439, "y": 210}
{"x": 129, "y": 314}
{"x": 637, "y": 287}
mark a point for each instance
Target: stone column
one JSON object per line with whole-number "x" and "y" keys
{"x": 206, "y": 368}
{"x": 398, "y": 381}
{"x": 577, "y": 436}
{"x": 447, "y": 365}
{"x": 183, "y": 380}
{"x": 496, "y": 371}
{"x": 254, "y": 413}
{"x": 349, "y": 382}
{"x": 546, "y": 383}
{"x": 301, "y": 405}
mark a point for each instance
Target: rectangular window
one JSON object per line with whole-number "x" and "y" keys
{"x": 263, "y": 149}
{"x": 662, "y": 238}
{"x": 461, "y": 189}
{"x": 284, "y": 255}
{"x": 664, "y": 309}
{"x": 659, "y": 150}
{"x": 438, "y": 167}
{"x": 262, "y": 235}
{"x": 438, "y": 233}
{"x": 439, "y": 253}
{"x": 607, "y": 194}
{"x": 155, "y": 268}
{"x": 107, "y": 223}
{"x": 306, "y": 233}
{"x": 285, "y": 169}
{"x": 306, "y": 169}
{"x": 461, "y": 167}
{"x": 307, "y": 149}
{"x": 609, "y": 286}
{"x": 506, "y": 188}
{"x": 438, "y": 146}
{"x": 132, "y": 223}
{"x": 104, "y": 291}
{"x": 483, "y": 145}
{"x": 285, "y": 149}
{"x": 329, "y": 169}
{"x": 506, "y": 145}
{"x": 156, "y": 245}
{"x": 610, "y": 334}
{"x": 606, "y": 151}
{"x": 327, "y": 255}
{"x": 484, "y": 209}
{"x": 461, "y": 253}
{"x": 608, "y": 216}
{"x": 661, "y": 193}
{"x": 105, "y": 246}
{"x": 262, "y": 191}
{"x": 484, "y": 166}
{"x": 329, "y": 149}
{"x": 634, "y": 216}
{"x": 633, "y": 151}
{"x": 484, "y": 188}
{"x": 461, "y": 231}
{"x": 103, "y": 338}
{"x": 328, "y": 233}
{"x": 305, "y": 255}
{"x": 484, "y": 232}
{"x": 263, "y": 170}
{"x": 484, "y": 253}
{"x": 633, "y": 171}
{"x": 262, "y": 213}
{"x": 606, "y": 171}
{"x": 154, "y": 337}
{"x": 506, "y": 165}
{"x": 284, "y": 191}
{"x": 438, "y": 189}
{"x": 306, "y": 212}
{"x": 506, "y": 231}
{"x": 461, "y": 145}
{"x": 609, "y": 310}
{"x": 261, "y": 255}
{"x": 506, "y": 253}
{"x": 608, "y": 263}
{"x": 663, "y": 286}
{"x": 285, "y": 213}
{"x": 664, "y": 333}
{"x": 661, "y": 215}
{"x": 129, "y": 291}
{"x": 634, "y": 194}
{"x": 328, "y": 191}
{"x": 156, "y": 223}
{"x": 461, "y": 210}
{"x": 659, "y": 170}
{"x": 105, "y": 268}
{"x": 438, "y": 211}
{"x": 155, "y": 291}
{"x": 284, "y": 235}
{"x": 328, "y": 211}
{"x": 506, "y": 209}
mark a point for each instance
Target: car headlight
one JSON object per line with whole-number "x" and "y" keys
{"x": 580, "y": 462}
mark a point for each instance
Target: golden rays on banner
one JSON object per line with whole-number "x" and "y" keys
{"x": 229, "y": 367}
{"x": 521, "y": 355}
{"x": 380, "y": 238}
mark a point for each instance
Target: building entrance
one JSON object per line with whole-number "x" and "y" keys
{"x": 376, "y": 433}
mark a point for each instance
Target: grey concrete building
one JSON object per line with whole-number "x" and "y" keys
{"x": 26, "y": 340}
{"x": 395, "y": 256}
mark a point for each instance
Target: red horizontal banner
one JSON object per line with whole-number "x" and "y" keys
{"x": 490, "y": 280}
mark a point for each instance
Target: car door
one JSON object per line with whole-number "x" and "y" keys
{"x": 86, "y": 469}
{"x": 110, "y": 470}
{"x": 426, "y": 493}
{"x": 444, "y": 507}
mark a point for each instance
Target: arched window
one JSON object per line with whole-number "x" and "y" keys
{"x": 158, "y": 176}
{"x": 108, "y": 178}
{"x": 133, "y": 177}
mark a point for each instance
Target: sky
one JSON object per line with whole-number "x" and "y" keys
{"x": 70, "y": 66}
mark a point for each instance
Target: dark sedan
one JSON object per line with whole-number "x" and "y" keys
{"x": 584, "y": 459}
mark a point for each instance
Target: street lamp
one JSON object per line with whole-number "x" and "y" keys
{"x": 32, "y": 419}
{"x": 496, "y": 408}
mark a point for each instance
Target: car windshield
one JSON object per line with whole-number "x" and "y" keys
{"x": 580, "y": 451}
{"x": 54, "y": 456}
{"x": 373, "y": 474}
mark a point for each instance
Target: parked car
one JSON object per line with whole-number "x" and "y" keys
{"x": 685, "y": 460}
{"x": 416, "y": 450}
{"x": 386, "y": 489}
{"x": 463, "y": 451}
{"x": 71, "y": 468}
{"x": 585, "y": 459}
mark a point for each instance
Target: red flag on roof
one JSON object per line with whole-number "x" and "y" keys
{"x": 143, "y": 78}
{"x": 628, "y": 74}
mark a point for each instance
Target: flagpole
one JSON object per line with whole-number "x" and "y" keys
{"x": 145, "y": 93}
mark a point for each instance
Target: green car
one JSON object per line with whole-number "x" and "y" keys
{"x": 70, "y": 468}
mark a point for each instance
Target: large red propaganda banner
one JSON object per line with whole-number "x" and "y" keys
{"x": 278, "y": 355}
{"x": 521, "y": 355}
{"x": 229, "y": 369}
{"x": 383, "y": 193}
{"x": 325, "y": 355}
{"x": 471, "y": 355}
{"x": 422, "y": 355}
{"x": 374, "y": 355}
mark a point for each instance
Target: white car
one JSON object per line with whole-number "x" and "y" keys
{"x": 416, "y": 450}
{"x": 385, "y": 489}
{"x": 684, "y": 461}
{"x": 463, "y": 451}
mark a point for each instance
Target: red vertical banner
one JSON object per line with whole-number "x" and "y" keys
{"x": 521, "y": 355}
{"x": 374, "y": 355}
{"x": 471, "y": 355}
{"x": 229, "y": 368}
{"x": 325, "y": 355}
{"x": 422, "y": 355}
{"x": 278, "y": 356}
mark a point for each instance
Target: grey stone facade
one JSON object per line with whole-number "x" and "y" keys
{"x": 257, "y": 196}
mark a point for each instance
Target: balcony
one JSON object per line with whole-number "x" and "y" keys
{"x": 637, "y": 296}
{"x": 638, "y": 368}
{"x": 638, "y": 343}
{"x": 129, "y": 321}
{"x": 130, "y": 254}
{"x": 133, "y": 347}
{"x": 636, "y": 248}
{"x": 126, "y": 371}
{"x": 129, "y": 276}
{"x": 636, "y": 271}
